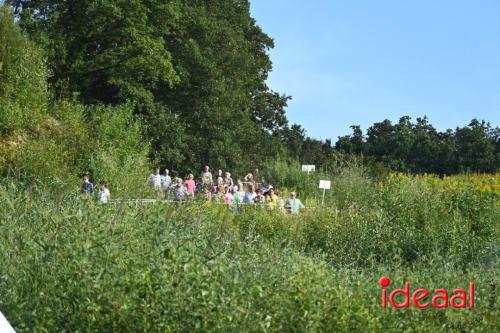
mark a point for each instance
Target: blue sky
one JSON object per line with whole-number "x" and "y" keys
{"x": 360, "y": 61}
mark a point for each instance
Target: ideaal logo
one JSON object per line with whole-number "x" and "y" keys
{"x": 460, "y": 298}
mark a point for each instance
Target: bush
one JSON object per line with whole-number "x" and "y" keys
{"x": 72, "y": 265}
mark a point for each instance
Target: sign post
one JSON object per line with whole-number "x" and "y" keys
{"x": 325, "y": 185}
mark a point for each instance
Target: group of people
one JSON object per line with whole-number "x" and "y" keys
{"x": 87, "y": 188}
{"x": 223, "y": 189}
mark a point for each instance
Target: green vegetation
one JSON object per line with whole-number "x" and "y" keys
{"x": 110, "y": 88}
{"x": 69, "y": 264}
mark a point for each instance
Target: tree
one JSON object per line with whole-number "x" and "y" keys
{"x": 23, "y": 75}
{"x": 294, "y": 138}
{"x": 475, "y": 150}
{"x": 107, "y": 51}
{"x": 352, "y": 144}
{"x": 204, "y": 61}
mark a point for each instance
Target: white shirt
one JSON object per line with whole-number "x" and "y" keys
{"x": 155, "y": 181}
{"x": 104, "y": 195}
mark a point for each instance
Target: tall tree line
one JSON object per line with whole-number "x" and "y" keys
{"x": 195, "y": 70}
{"x": 407, "y": 146}
{"x": 193, "y": 73}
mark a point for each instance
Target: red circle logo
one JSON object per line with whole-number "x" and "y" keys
{"x": 384, "y": 281}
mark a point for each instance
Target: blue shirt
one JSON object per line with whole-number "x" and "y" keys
{"x": 294, "y": 205}
{"x": 87, "y": 187}
{"x": 248, "y": 197}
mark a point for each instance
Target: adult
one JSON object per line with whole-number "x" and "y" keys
{"x": 228, "y": 196}
{"x": 166, "y": 182}
{"x": 249, "y": 194}
{"x": 155, "y": 179}
{"x": 249, "y": 179}
{"x": 236, "y": 198}
{"x": 293, "y": 204}
{"x": 239, "y": 191}
{"x": 263, "y": 185}
{"x": 104, "y": 195}
{"x": 218, "y": 190}
{"x": 272, "y": 199}
{"x": 179, "y": 191}
{"x": 214, "y": 192}
{"x": 190, "y": 185}
{"x": 281, "y": 202}
{"x": 198, "y": 186}
{"x": 206, "y": 177}
{"x": 220, "y": 174}
{"x": 260, "y": 199}
{"x": 87, "y": 186}
{"x": 228, "y": 181}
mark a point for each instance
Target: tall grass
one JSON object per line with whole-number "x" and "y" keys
{"x": 69, "y": 264}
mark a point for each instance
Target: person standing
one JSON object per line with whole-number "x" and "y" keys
{"x": 218, "y": 191}
{"x": 281, "y": 203}
{"x": 236, "y": 198}
{"x": 293, "y": 204}
{"x": 260, "y": 199}
{"x": 249, "y": 179}
{"x": 228, "y": 181}
{"x": 263, "y": 185}
{"x": 166, "y": 182}
{"x": 272, "y": 199}
{"x": 228, "y": 196}
{"x": 249, "y": 195}
{"x": 190, "y": 185}
{"x": 180, "y": 193}
{"x": 206, "y": 178}
{"x": 104, "y": 195}
{"x": 87, "y": 186}
{"x": 155, "y": 180}
{"x": 239, "y": 192}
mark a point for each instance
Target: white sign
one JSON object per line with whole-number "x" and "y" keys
{"x": 325, "y": 184}
{"x": 308, "y": 168}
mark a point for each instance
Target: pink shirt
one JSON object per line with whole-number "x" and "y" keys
{"x": 228, "y": 198}
{"x": 190, "y": 185}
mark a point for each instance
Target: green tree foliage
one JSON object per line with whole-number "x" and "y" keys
{"x": 474, "y": 148}
{"x": 195, "y": 69}
{"x": 117, "y": 153}
{"x": 418, "y": 147}
{"x": 23, "y": 85}
{"x": 104, "y": 142}
{"x": 107, "y": 51}
{"x": 57, "y": 142}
